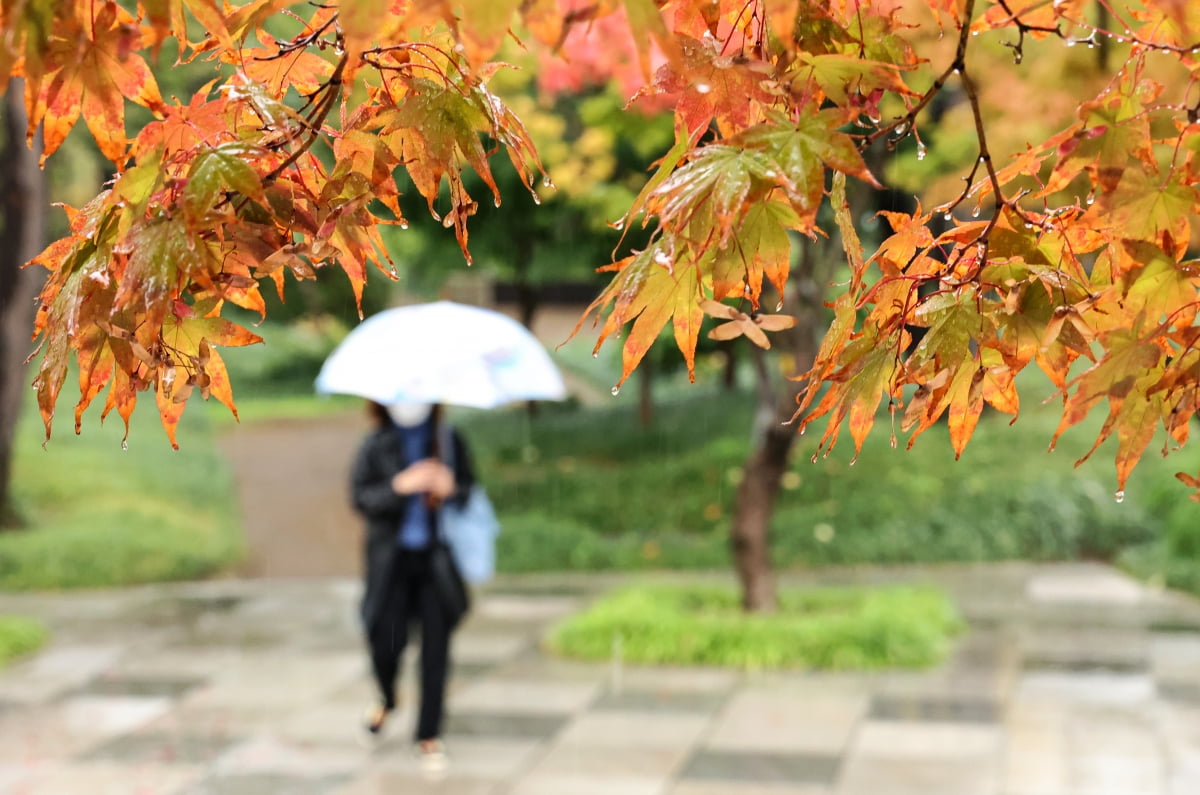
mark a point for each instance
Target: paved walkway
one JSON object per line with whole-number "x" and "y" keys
{"x": 1072, "y": 680}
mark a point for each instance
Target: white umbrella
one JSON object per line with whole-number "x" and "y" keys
{"x": 441, "y": 353}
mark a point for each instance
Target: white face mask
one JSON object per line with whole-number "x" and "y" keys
{"x": 408, "y": 415}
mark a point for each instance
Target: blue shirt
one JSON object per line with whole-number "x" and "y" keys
{"x": 415, "y": 528}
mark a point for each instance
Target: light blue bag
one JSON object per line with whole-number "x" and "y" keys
{"x": 470, "y": 530}
{"x": 471, "y": 534}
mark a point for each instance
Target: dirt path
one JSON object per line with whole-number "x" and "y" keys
{"x": 293, "y": 486}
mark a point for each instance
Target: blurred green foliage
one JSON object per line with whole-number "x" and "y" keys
{"x": 591, "y": 489}
{"x": 19, "y": 636}
{"x": 100, "y": 516}
{"x": 839, "y": 629}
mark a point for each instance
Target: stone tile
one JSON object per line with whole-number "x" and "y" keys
{"x": 488, "y": 648}
{"x": 1034, "y": 773}
{"x": 386, "y": 782}
{"x": 741, "y": 788}
{"x": 262, "y": 783}
{"x": 638, "y": 763}
{"x": 471, "y": 758}
{"x": 923, "y": 708}
{"x": 912, "y": 740}
{"x": 517, "y": 608}
{"x": 270, "y": 754}
{"x": 504, "y": 724}
{"x": 119, "y": 685}
{"x": 910, "y": 776}
{"x": 67, "y": 728}
{"x": 760, "y": 767}
{"x": 110, "y": 778}
{"x": 626, "y": 728}
{"x": 149, "y": 747}
{"x": 1105, "y": 774}
{"x": 1086, "y": 687}
{"x": 113, "y": 714}
{"x": 496, "y": 694}
{"x": 339, "y": 721}
{"x": 668, "y": 679}
{"x": 661, "y": 700}
{"x": 270, "y": 682}
{"x": 758, "y": 720}
{"x": 584, "y": 785}
{"x": 54, "y": 671}
{"x": 1087, "y": 585}
{"x": 533, "y": 664}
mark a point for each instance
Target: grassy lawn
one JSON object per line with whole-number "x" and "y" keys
{"x": 19, "y": 636}
{"x": 101, "y": 516}
{"x": 827, "y": 628}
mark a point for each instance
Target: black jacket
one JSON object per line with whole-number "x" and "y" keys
{"x": 378, "y": 461}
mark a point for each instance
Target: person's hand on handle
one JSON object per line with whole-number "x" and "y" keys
{"x": 427, "y": 476}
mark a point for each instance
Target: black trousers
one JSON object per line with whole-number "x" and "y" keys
{"x": 411, "y": 597}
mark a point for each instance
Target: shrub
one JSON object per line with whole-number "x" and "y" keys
{"x": 842, "y": 629}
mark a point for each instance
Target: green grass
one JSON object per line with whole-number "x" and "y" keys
{"x": 98, "y": 515}
{"x": 19, "y": 636}
{"x": 839, "y": 629}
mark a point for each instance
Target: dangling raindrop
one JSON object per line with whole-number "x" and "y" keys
{"x": 618, "y": 224}
{"x": 921, "y": 151}
{"x": 975, "y": 212}
{"x": 616, "y": 390}
{"x": 537, "y": 199}
{"x": 1091, "y": 198}
{"x": 893, "y": 442}
{"x": 546, "y": 182}
{"x": 1119, "y": 496}
{"x": 779, "y": 306}
{"x": 948, "y": 217}
{"x": 403, "y": 224}
{"x": 497, "y": 201}
{"x": 595, "y": 354}
{"x": 814, "y": 458}
{"x": 854, "y": 461}
{"x": 124, "y": 445}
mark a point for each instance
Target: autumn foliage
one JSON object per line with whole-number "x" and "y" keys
{"x": 1072, "y": 247}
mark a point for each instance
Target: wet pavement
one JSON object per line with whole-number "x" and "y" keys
{"x": 1071, "y": 680}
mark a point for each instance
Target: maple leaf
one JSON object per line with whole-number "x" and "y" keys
{"x": 798, "y": 152}
{"x": 867, "y": 368}
{"x": 650, "y": 289}
{"x": 730, "y": 90}
{"x": 298, "y": 68}
{"x": 217, "y": 172}
{"x": 91, "y": 69}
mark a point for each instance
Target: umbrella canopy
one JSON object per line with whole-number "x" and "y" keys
{"x": 441, "y": 353}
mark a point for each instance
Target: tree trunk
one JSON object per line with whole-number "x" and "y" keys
{"x": 22, "y": 205}
{"x": 772, "y": 440}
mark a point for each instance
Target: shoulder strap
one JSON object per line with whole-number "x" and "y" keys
{"x": 445, "y": 440}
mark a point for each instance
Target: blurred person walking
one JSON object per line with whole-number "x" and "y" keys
{"x": 402, "y": 476}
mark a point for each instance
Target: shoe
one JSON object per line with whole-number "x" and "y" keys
{"x": 375, "y": 719}
{"x": 433, "y": 757}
